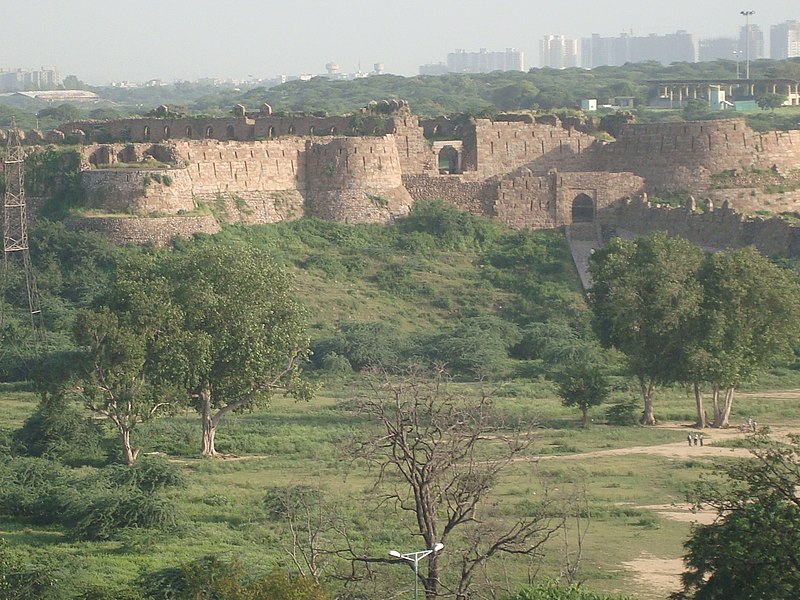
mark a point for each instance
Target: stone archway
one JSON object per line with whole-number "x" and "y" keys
{"x": 583, "y": 209}
{"x": 449, "y": 161}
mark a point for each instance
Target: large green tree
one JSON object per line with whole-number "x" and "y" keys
{"x": 584, "y": 383}
{"x": 752, "y": 550}
{"x": 132, "y": 351}
{"x": 646, "y": 297}
{"x": 749, "y": 319}
{"x": 242, "y": 306}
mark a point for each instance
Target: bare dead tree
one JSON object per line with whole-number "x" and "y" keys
{"x": 576, "y": 527}
{"x": 313, "y": 523}
{"x": 437, "y": 455}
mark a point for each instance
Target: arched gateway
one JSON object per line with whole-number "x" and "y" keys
{"x": 583, "y": 209}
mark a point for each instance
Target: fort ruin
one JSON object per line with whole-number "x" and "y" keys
{"x": 258, "y": 167}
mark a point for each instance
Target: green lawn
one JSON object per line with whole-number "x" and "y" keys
{"x": 305, "y": 444}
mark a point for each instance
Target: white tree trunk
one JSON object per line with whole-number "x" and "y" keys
{"x": 701, "y": 411}
{"x": 129, "y": 454}
{"x": 648, "y": 394}
{"x": 726, "y": 411}
{"x": 209, "y": 423}
{"x": 716, "y": 406}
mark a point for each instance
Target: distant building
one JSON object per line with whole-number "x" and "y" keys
{"x": 717, "y": 49}
{"x": 752, "y": 43}
{"x": 784, "y": 40}
{"x": 59, "y": 96}
{"x": 482, "y": 61}
{"x": 673, "y": 47}
{"x": 598, "y": 51}
{"x": 558, "y": 52}
{"x": 15, "y": 80}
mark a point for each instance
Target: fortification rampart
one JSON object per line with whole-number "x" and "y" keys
{"x": 475, "y": 196}
{"x": 502, "y": 146}
{"x": 371, "y": 167}
{"x": 135, "y": 230}
{"x": 718, "y": 229}
{"x": 686, "y": 155}
{"x": 356, "y": 180}
{"x": 528, "y": 200}
{"x": 138, "y": 191}
{"x": 235, "y": 128}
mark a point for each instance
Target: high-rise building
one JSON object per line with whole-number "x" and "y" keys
{"x": 674, "y": 47}
{"x": 25, "y": 79}
{"x": 462, "y": 61}
{"x": 754, "y": 46}
{"x": 558, "y": 52}
{"x": 784, "y": 40}
{"x": 598, "y": 51}
{"x": 718, "y": 49}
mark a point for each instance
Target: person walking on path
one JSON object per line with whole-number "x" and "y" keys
{"x": 701, "y": 439}
{"x": 689, "y": 437}
{"x": 696, "y": 439}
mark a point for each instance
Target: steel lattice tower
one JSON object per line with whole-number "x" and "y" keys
{"x": 15, "y": 241}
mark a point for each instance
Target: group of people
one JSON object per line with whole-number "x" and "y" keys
{"x": 696, "y": 439}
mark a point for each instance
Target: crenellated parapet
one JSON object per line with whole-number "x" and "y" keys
{"x": 527, "y": 171}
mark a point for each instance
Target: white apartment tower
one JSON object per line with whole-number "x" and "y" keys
{"x": 558, "y": 52}
{"x": 784, "y": 40}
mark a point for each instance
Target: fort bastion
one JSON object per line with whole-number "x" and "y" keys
{"x": 176, "y": 175}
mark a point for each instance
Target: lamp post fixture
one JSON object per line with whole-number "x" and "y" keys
{"x": 413, "y": 559}
{"x": 746, "y": 14}
{"x": 737, "y": 54}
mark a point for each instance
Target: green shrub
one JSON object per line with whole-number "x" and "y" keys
{"x": 326, "y": 263}
{"x": 20, "y": 580}
{"x": 211, "y": 578}
{"x": 362, "y": 345}
{"x": 105, "y": 514}
{"x": 552, "y": 590}
{"x": 150, "y": 474}
{"x": 398, "y": 279}
{"x": 625, "y": 413}
{"x": 479, "y": 345}
{"x": 334, "y": 365}
{"x": 449, "y": 227}
{"x": 33, "y": 489}
{"x": 59, "y": 430}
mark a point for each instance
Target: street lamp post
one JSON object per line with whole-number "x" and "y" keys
{"x": 413, "y": 559}
{"x": 738, "y": 55}
{"x": 746, "y": 14}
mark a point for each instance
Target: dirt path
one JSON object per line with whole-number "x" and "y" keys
{"x": 661, "y": 576}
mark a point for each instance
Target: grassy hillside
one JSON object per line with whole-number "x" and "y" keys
{"x": 439, "y": 285}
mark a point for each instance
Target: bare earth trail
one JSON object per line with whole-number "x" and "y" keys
{"x": 661, "y": 576}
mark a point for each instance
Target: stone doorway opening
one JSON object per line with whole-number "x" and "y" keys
{"x": 583, "y": 209}
{"x": 449, "y": 163}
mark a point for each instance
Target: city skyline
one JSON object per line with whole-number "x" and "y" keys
{"x": 182, "y": 40}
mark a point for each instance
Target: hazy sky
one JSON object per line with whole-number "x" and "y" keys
{"x": 187, "y": 39}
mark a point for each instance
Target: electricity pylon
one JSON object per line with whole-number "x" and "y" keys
{"x": 16, "y": 255}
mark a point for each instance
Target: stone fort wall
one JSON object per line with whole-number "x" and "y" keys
{"x": 497, "y": 147}
{"x": 685, "y": 155}
{"x": 156, "y": 231}
{"x": 372, "y": 167}
{"x": 356, "y": 180}
{"x": 718, "y": 229}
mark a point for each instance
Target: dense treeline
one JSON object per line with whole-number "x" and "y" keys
{"x": 475, "y": 94}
